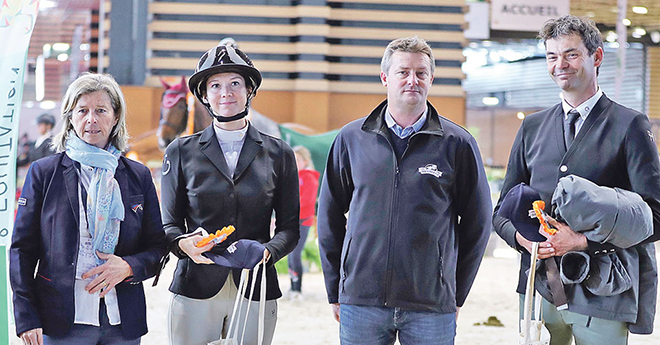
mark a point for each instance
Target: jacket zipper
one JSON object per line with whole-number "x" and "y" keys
{"x": 393, "y": 216}
{"x": 442, "y": 266}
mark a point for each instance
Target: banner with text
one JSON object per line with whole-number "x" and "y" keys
{"x": 17, "y": 19}
{"x": 525, "y": 15}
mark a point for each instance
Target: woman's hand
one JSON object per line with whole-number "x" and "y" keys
{"x": 188, "y": 246}
{"x": 545, "y": 248}
{"x": 266, "y": 256}
{"x": 33, "y": 337}
{"x": 111, "y": 273}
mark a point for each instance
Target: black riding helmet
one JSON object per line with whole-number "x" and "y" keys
{"x": 224, "y": 59}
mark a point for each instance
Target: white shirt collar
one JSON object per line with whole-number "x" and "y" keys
{"x": 225, "y": 136}
{"x": 585, "y": 108}
{"x": 405, "y": 132}
{"x": 42, "y": 138}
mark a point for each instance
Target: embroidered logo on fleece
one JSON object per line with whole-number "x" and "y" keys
{"x": 137, "y": 207}
{"x": 430, "y": 169}
{"x": 22, "y": 201}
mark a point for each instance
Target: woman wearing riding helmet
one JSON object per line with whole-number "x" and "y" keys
{"x": 227, "y": 174}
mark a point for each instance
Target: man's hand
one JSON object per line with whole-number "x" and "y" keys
{"x": 111, "y": 273}
{"x": 335, "y": 311}
{"x": 33, "y": 337}
{"x": 187, "y": 245}
{"x": 545, "y": 248}
{"x": 565, "y": 239}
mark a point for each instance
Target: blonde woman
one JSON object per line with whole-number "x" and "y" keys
{"x": 88, "y": 222}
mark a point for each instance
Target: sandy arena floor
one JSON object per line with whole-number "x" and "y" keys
{"x": 310, "y": 322}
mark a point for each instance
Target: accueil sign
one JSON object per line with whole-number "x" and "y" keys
{"x": 525, "y": 15}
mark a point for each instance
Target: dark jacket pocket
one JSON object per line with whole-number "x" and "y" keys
{"x": 344, "y": 272}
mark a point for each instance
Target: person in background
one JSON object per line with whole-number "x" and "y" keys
{"x": 227, "y": 174}
{"x": 308, "y": 179}
{"x": 88, "y": 229}
{"x": 42, "y": 147}
{"x": 588, "y": 135}
{"x": 23, "y": 152}
{"x": 414, "y": 187}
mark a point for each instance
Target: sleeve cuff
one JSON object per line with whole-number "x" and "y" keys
{"x": 600, "y": 249}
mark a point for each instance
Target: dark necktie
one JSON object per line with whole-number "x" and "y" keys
{"x": 569, "y": 127}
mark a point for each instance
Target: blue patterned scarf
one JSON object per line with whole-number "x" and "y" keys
{"x": 105, "y": 209}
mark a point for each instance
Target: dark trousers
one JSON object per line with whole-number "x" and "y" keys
{"x": 295, "y": 260}
{"x": 106, "y": 334}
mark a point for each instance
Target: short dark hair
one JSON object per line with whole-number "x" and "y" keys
{"x": 569, "y": 25}
{"x": 47, "y": 119}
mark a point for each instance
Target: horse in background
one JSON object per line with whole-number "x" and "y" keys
{"x": 174, "y": 115}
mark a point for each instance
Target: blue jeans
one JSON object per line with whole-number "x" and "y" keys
{"x": 106, "y": 334}
{"x": 362, "y": 325}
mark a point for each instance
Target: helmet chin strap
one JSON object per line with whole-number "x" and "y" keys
{"x": 238, "y": 116}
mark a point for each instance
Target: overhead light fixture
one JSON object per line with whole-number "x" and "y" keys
{"x": 40, "y": 79}
{"x": 62, "y": 57}
{"x": 626, "y": 22}
{"x": 46, "y": 4}
{"x": 46, "y": 50}
{"x": 640, "y": 9}
{"x": 490, "y": 101}
{"x": 61, "y": 47}
{"x": 655, "y": 37}
{"x": 47, "y": 105}
{"x": 521, "y": 115}
{"x": 640, "y": 31}
{"x": 611, "y": 36}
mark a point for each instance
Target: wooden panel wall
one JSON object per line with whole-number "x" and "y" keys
{"x": 315, "y": 50}
{"x": 653, "y": 59}
{"x": 100, "y": 36}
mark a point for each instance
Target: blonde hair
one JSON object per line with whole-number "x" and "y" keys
{"x": 306, "y": 156}
{"x": 89, "y": 83}
{"x": 407, "y": 45}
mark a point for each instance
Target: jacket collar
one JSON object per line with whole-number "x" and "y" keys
{"x": 596, "y": 113}
{"x": 71, "y": 182}
{"x": 375, "y": 122}
{"x": 211, "y": 149}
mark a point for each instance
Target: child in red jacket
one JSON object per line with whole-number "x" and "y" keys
{"x": 309, "y": 184}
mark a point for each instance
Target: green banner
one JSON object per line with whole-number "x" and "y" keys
{"x": 318, "y": 145}
{"x": 17, "y": 18}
